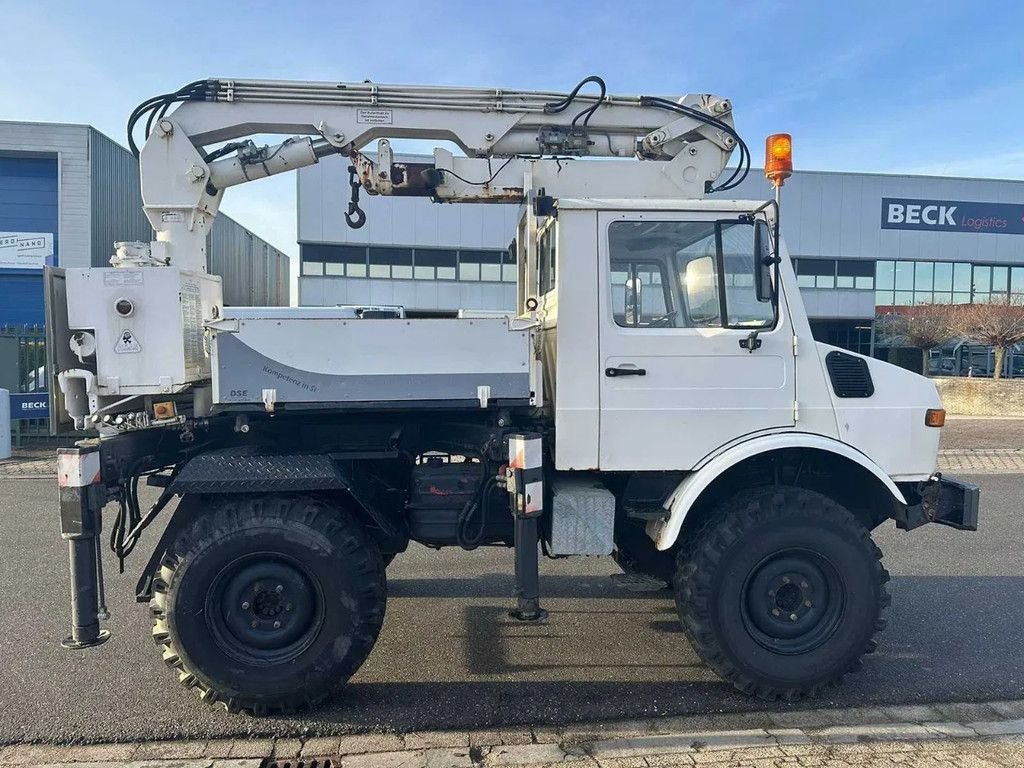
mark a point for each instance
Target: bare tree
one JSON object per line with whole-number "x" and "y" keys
{"x": 998, "y": 323}
{"x": 922, "y": 326}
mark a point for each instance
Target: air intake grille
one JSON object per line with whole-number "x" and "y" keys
{"x": 850, "y": 375}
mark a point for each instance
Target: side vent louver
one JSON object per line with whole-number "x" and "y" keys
{"x": 849, "y": 374}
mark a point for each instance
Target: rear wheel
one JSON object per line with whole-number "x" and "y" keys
{"x": 265, "y": 603}
{"x": 781, "y": 592}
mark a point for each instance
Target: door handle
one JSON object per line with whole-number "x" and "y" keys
{"x": 613, "y": 372}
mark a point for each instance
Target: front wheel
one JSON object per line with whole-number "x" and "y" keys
{"x": 265, "y": 603}
{"x": 781, "y": 592}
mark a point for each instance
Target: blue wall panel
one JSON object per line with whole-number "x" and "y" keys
{"x": 28, "y": 203}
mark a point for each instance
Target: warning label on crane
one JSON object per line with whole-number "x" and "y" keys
{"x": 374, "y": 116}
{"x": 127, "y": 343}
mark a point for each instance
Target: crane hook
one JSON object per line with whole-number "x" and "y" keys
{"x": 355, "y": 217}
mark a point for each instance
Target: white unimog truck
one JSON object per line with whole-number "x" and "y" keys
{"x": 656, "y": 396}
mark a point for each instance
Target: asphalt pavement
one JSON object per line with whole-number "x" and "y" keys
{"x": 448, "y": 656}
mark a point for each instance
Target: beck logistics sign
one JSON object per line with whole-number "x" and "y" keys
{"x": 25, "y": 250}
{"x": 953, "y": 216}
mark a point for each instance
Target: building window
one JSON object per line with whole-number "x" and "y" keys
{"x": 480, "y": 265}
{"x": 816, "y": 273}
{"x": 408, "y": 263}
{"x": 434, "y": 264}
{"x": 859, "y": 275}
{"x": 334, "y": 260}
{"x": 391, "y": 262}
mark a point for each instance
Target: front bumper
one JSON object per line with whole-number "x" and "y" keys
{"x": 944, "y": 500}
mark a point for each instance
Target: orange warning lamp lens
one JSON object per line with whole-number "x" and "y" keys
{"x": 778, "y": 158}
{"x": 934, "y": 417}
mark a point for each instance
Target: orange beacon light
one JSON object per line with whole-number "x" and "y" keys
{"x": 778, "y": 158}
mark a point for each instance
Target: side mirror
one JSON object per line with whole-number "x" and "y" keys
{"x": 764, "y": 262}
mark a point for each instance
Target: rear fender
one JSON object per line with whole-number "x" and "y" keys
{"x": 665, "y": 532}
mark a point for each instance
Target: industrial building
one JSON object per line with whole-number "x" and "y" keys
{"x": 67, "y": 192}
{"x": 859, "y": 242}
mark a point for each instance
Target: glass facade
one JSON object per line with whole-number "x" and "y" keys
{"x": 905, "y": 283}
{"x": 487, "y": 266}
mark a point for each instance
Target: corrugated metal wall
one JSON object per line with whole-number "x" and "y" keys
{"x": 116, "y": 198}
{"x": 253, "y": 271}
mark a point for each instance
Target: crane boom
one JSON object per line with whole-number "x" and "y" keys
{"x": 514, "y": 141}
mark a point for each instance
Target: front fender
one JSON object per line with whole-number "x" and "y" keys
{"x": 665, "y": 532}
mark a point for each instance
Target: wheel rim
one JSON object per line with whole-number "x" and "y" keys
{"x": 793, "y": 601}
{"x": 265, "y": 608}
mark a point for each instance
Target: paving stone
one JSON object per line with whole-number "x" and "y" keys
{"x": 545, "y": 734}
{"x": 403, "y": 759}
{"x": 217, "y": 748}
{"x": 27, "y": 754}
{"x": 999, "y": 727}
{"x": 369, "y": 742}
{"x": 251, "y": 748}
{"x": 499, "y": 738}
{"x": 668, "y": 761}
{"x": 524, "y": 754}
{"x": 238, "y": 763}
{"x": 287, "y": 748}
{"x": 170, "y": 750}
{"x": 323, "y": 746}
{"x": 457, "y": 757}
{"x": 99, "y": 753}
{"x": 627, "y": 762}
{"x": 434, "y": 739}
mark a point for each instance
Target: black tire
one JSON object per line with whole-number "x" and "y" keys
{"x": 781, "y": 592}
{"x": 636, "y": 553}
{"x": 265, "y": 603}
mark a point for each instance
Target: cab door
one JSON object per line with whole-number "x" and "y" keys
{"x": 691, "y": 357}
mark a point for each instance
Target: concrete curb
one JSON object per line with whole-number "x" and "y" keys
{"x": 674, "y": 741}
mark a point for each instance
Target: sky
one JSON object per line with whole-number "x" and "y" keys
{"x": 902, "y": 86}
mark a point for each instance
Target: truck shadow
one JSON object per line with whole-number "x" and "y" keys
{"x": 950, "y": 639}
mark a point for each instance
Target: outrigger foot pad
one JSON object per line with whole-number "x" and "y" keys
{"x": 77, "y": 645}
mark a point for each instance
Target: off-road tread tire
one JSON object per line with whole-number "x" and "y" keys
{"x": 701, "y": 555}
{"x": 239, "y": 512}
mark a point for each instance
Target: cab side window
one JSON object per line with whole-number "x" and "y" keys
{"x": 668, "y": 274}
